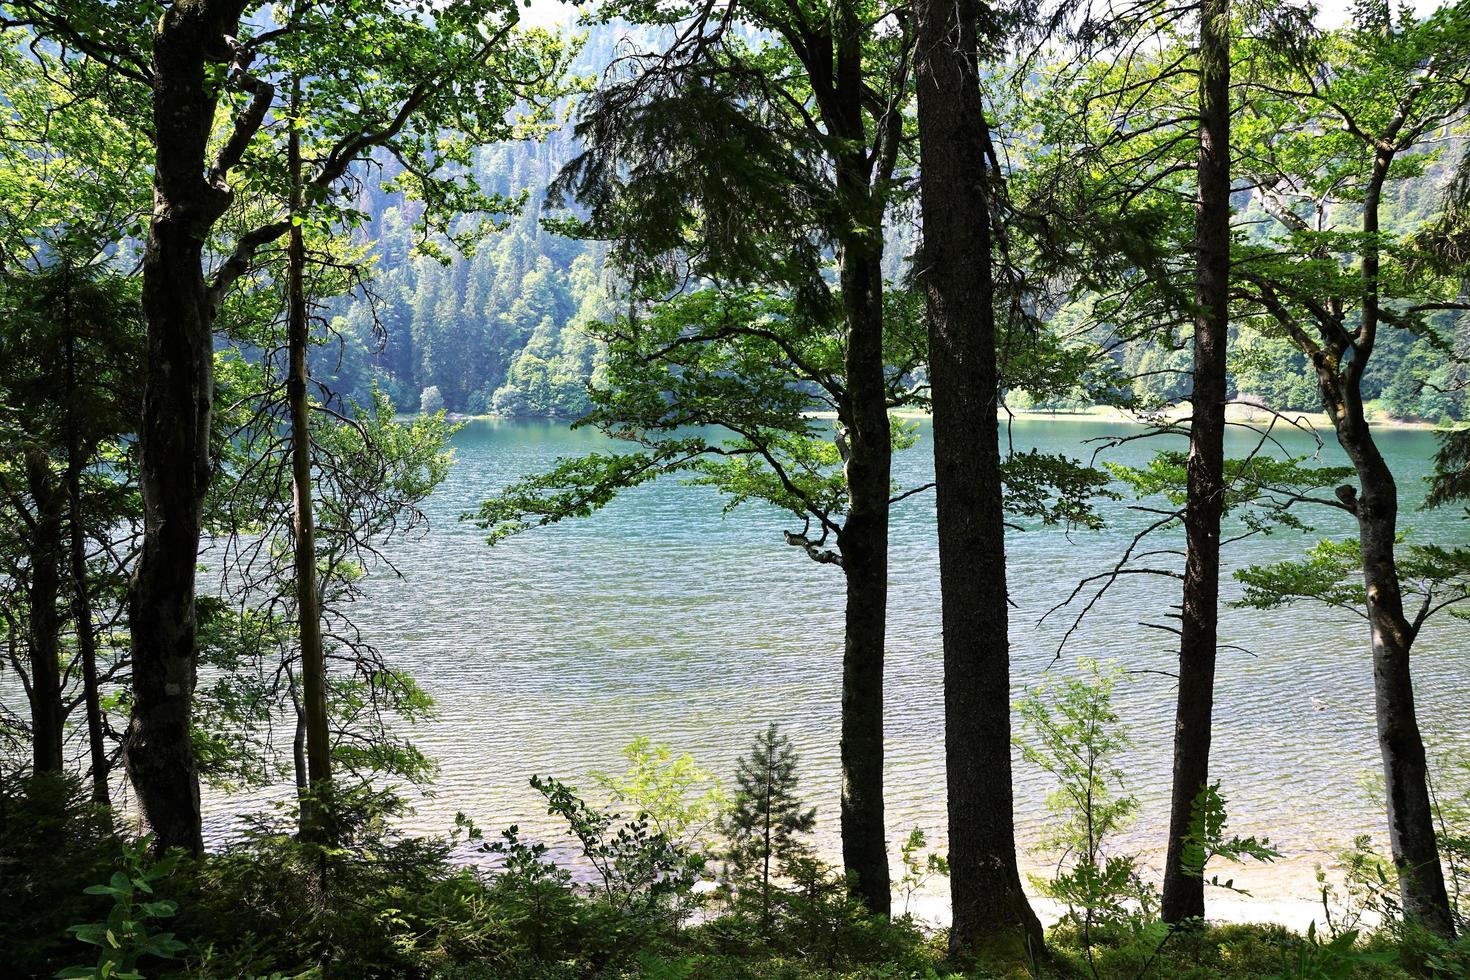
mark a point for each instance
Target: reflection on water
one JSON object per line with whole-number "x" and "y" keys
{"x": 659, "y": 617}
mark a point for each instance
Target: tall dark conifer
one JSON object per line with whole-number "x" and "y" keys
{"x": 779, "y": 155}
{"x": 1184, "y": 896}
{"x": 992, "y": 916}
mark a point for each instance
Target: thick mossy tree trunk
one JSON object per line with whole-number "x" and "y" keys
{"x": 189, "y": 197}
{"x": 308, "y": 606}
{"x": 48, "y": 715}
{"x": 992, "y": 917}
{"x": 864, "y": 547}
{"x": 1184, "y": 892}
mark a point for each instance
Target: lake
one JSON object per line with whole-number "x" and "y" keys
{"x": 659, "y": 617}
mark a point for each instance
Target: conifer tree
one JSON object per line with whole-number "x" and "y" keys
{"x": 766, "y": 824}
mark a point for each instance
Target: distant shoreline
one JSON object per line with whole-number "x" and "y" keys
{"x": 1093, "y": 413}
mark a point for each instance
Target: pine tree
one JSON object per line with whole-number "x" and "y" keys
{"x": 767, "y": 821}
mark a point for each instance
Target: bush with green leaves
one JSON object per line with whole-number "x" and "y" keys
{"x": 637, "y": 865}
{"x": 1207, "y": 840}
{"x": 1070, "y": 731}
{"x": 54, "y": 842}
{"x": 919, "y": 866}
{"x": 680, "y": 799}
{"x": 374, "y": 902}
{"x": 128, "y": 936}
{"x": 1360, "y": 891}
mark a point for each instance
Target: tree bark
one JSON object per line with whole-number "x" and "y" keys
{"x": 992, "y": 917}
{"x": 1184, "y": 890}
{"x": 308, "y": 608}
{"x": 863, "y": 544}
{"x": 177, "y": 406}
{"x": 48, "y": 715}
{"x": 1405, "y": 770}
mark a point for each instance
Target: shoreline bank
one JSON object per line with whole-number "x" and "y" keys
{"x": 1235, "y": 413}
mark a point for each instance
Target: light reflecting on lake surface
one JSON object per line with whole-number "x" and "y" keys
{"x": 658, "y": 617}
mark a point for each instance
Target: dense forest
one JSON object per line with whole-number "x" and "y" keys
{"x": 521, "y": 304}
{"x": 258, "y": 258}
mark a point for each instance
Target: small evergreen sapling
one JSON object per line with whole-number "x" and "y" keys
{"x": 766, "y": 825}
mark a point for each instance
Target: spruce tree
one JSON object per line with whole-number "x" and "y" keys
{"x": 767, "y": 821}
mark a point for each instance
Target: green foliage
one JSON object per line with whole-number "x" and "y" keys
{"x": 1331, "y": 574}
{"x": 127, "y": 937}
{"x": 572, "y": 488}
{"x": 431, "y": 401}
{"x": 1261, "y": 491}
{"x": 1206, "y": 840}
{"x": 682, "y": 801}
{"x": 1054, "y": 489}
{"x": 1365, "y": 891}
{"x": 1337, "y": 958}
{"x": 71, "y": 336}
{"x": 375, "y": 903}
{"x": 235, "y": 701}
{"x": 919, "y": 867}
{"x": 54, "y": 842}
{"x": 372, "y": 471}
{"x": 767, "y": 823}
{"x": 1451, "y": 479}
{"x": 1070, "y": 731}
{"x": 84, "y": 185}
{"x": 639, "y": 867}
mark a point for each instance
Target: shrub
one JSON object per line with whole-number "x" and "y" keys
{"x": 128, "y": 936}
{"x": 54, "y": 842}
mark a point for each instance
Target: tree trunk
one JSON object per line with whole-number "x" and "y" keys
{"x": 864, "y": 547}
{"x": 48, "y": 716}
{"x": 1405, "y": 770}
{"x": 81, "y": 590}
{"x": 992, "y": 917}
{"x": 863, "y": 541}
{"x": 308, "y": 609}
{"x": 177, "y": 406}
{"x": 1184, "y": 890}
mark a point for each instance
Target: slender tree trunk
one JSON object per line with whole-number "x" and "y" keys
{"x": 177, "y": 406}
{"x": 308, "y": 610}
{"x": 992, "y": 917}
{"x": 766, "y": 850}
{"x": 864, "y": 547}
{"x": 1184, "y": 889}
{"x": 81, "y": 586}
{"x": 1405, "y": 769}
{"x": 298, "y": 745}
{"x": 47, "y": 713}
{"x": 863, "y": 542}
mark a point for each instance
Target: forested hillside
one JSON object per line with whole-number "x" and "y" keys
{"x": 502, "y": 333}
{"x": 499, "y": 332}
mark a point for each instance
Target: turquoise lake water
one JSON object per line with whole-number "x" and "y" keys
{"x": 660, "y": 617}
